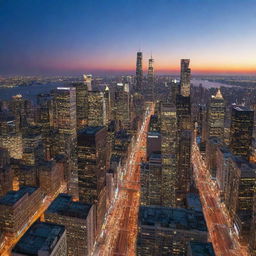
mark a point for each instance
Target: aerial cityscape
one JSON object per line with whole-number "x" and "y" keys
{"x": 127, "y": 128}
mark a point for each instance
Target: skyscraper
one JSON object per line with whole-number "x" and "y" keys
{"x": 139, "y": 72}
{"x": 92, "y": 164}
{"x": 78, "y": 219}
{"x": 64, "y": 121}
{"x": 97, "y": 115}
{"x": 169, "y": 153}
{"x": 81, "y": 104}
{"x": 241, "y": 131}
{"x": 167, "y": 231}
{"x": 216, "y": 114}
{"x": 88, "y": 81}
{"x": 185, "y": 78}
{"x": 42, "y": 239}
{"x": 150, "y": 87}
{"x": 122, "y": 105}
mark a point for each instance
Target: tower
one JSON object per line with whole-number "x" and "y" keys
{"x": 150, "y": 87}
{"x": 139, "y": 72}
{"x": 216, "y": 113}
{"x": 185, "y": 77}
{"x": 241, "y": 131}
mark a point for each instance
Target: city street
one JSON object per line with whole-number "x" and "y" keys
{"x": 222, "y": 235}
{"x": 119, "y": 231}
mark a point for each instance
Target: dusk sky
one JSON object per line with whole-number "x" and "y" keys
{"x": 78, "y": 36}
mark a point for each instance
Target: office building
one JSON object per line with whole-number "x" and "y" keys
{"x": 153, "y": 143}
{"x": 92, "y": 165}
{"x": 97, "y": 115}
{"x": 185, "y": 77}
{"x": 65, "y": 122}
{"x": 81, "y": 104}
{"x": 169, "y": 153}
{"x": 87, "y": 80}
{"x": 139, "y": 73}
{"x": 151, "y": 181}
{"x": 200, "y": 249}
{"x": 211, "y": 154}
{"x": 6, "y": 172}
{"x": 241, "y": 131}
{"x": 42, "y": 239}
{"x": 150, "y": 89}
{"x": 32, "y": 146}
{"x": 50, "y": 176}
{"x": 167, "y": 231}
{"x": 216, "y": 115}
{"x": 122, "y": 106}
{"x": 239, "y": 195}
{"x": 79, "y": 222}
{"x": 17, "y": 207}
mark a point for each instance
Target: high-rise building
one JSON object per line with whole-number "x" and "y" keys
{"x": 198, "y": 248}
{"x": 88, "y": 81}
{"x": 81, "y": 104}
{"x": 17, "y": 207}
{"x": 97, "y": 115}
{"x": 6, "y": 172}
{"x": 78, "y": 219}
{"x": 169, "y": 153}
{"x": 153, "y": 143}
{"x": 50, "y": 177}
{"x": 122, "y": 105}
{"x": 42, "y": 239}
{"x": 216, "y": 115}
{"x": 150, "y": 90}
{"x": 241, "y": 131}
{"x": 92, "y": 164}
{"x": 239, "y": 195}
{"x": 212, "y": 145}
{"x": 139, "y": 73}
{"x": 10, "y": 137}
{"x": 64, "y": 117}
{"x": 167, "y": 231}
{"x": 151, "y": 181}
{"x": 65, "y": 110}
{"x": 32, "y": 146}
{"x": 185, "y": 77}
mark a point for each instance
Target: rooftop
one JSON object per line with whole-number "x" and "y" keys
{"x": 63, "y": 205}
{"x": 40, "y": 237}
{"x": 193, "y": 202}
{"x": 90, "y": 130}
{"x": 201, "y": 249}
{"x": 241, "y": 108}
{"x": 11, "y": 197}
{"x": 173, "y": 218}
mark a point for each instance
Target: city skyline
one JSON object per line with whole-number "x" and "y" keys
{"x": 100, "y": 38}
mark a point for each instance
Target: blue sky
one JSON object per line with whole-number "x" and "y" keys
{"x": 74, "y": 36}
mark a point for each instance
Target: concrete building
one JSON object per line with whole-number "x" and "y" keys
{"x": 151, "y": 180}
{"x": 42, "y": 239}
{"x": 17, "y": 207}
{"x": 97, "y": 115}
{"x": 79, "y": 221}
{"x": 169, "y": 153}
{"x": 241, "y": 131}
{"x": 92, "y": 165}
{"x": 167, "y": 231}
{"x": 200, "y": 249}
{"x": 216, "y": 116}
{"x": 185, "y": 77}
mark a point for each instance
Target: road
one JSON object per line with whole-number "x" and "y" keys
{"x": 118, "y": 236}
{"x": 222, "y": 234}
{"x": 9, "y": 242}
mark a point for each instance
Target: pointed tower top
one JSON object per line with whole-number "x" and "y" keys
{"x": 218, "y": 94}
